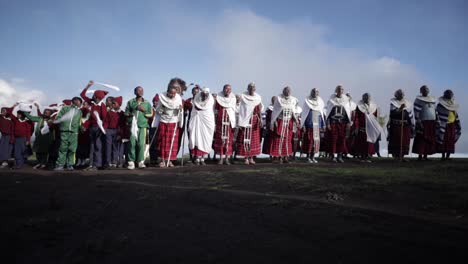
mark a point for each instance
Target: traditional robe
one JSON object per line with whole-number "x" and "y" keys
{"x": 225, "y": 123}
{"x": 201, "y": 125}
{"x": 368, "y": 128}
{"x": 169, "y": 120}
{"x": 426, "y": 120}
{"x": 400, "y": 127}
{"x": 449, "y": 127}
{"x": 250, "y": 125}
{"x": 282, "y": 121}
{"x": 351, "y": 138}
{"x": 267, "y": 132}
{"x": 312, "y": 120}
{"x": 339, "y": 117}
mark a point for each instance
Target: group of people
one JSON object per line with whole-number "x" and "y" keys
{"x": 97, "y": 133}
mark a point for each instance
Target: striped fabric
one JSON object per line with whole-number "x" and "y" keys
{"x": 443, "y": 113}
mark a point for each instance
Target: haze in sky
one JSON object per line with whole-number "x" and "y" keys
{"x": 50, "y": 49}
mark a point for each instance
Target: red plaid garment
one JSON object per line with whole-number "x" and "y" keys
{"x": 308, "y": 143}
{"x": 198, "y": 153}
{"x": 394, "y": 142}
{"x": 164, "y": 138}
{"x": 218, "y": 146}
{"x": 425, "y": 143}
{"x": 255, "y": 140}
{"x": 286, "y": 146}
{"x": 449, "y": 139}
{"x": 337, "y": 138}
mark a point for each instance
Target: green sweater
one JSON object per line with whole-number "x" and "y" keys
{"x": 142, "y": 117}
{"x": 73, "y": 122}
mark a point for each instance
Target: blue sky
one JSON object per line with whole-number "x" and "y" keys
{"x": 54, "y": 47}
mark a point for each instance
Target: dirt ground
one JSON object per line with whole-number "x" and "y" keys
{"x": 384, "y": 212}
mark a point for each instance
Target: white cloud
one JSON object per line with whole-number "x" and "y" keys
{"x": 13, "y": 91}
{"x": 248, "y": 47}
{"x": 245, "y": 47}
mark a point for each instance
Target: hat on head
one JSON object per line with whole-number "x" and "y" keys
{"x": 9, "y": 110}
{"x": 100, "y": 94}
{"x": 156, "y": 98}
{"x": 118, "y": 100}
{"x": 67, "y": 102}
{"x": 52, "y": 107}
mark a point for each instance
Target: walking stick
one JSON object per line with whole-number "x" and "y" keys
{"x": 172, "y": 144}
{"x": 183, "y": 148}
{"x": 151, "y": 141}
{"x": 401, "y": 134}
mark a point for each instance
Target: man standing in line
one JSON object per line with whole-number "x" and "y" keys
{"x": 225, "y": 117}
{"x": 97, "y": 123}
{"x": 313, "y": 122}
{"x": 367, "y": 129}
{"x": 338, "y": 121}
{"x": 250, "y": 125}
{"x": 169, "y": 120}
{"x": 201, "y": 126}
{"x": 400, "y": 126}
{"x": 449, "y": 128}
{"x": 69, "y": 120}
{"x": 426, "y": 119}
{"x": 282, "y": 121}
{"x": 137, "y": 111}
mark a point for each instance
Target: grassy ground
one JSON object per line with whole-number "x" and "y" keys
{"x": 384, "y": 212}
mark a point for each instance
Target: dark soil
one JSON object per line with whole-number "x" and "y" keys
{"x": 291, "y": 213}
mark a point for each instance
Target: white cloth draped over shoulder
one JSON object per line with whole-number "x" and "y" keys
{"x": 340, "y": 101}
{"x": 282, "y": 102}
{"x": 202, "y": 123}
{"x": 229, "y": 103}
{"x": 168, "y": 110}
{"x": 315, "y": 104}
{"x": 427, "y": 99}
{"x": 449, "y": 104}
{"x": 373, "y": 128}
{"x": 398, "y": 103}
{"x": 247, "y": 106}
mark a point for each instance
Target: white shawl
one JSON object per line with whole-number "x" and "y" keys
{"x": 448, "y": 104}
{"x": 340, "y": 101}
{"x": 230, "y": 104}
{"x": 247, "y": 106}
{"x": 398, "y": 103}
{"x": 316, "y": 104}
{"x": 373, "y": 128}
{"x": 168, "y": 110}
{"x": 282, "y": 102}
{"x": 202, "y": 123}
{"x": 427, "y": 99}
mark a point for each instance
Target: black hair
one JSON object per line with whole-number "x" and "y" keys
{"x": 77, "y": 98}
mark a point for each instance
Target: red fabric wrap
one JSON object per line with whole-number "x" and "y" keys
{"x": 281, "y": 148}
{"x": 395, "y": 137}
{"x": 255, "y": 140}
{"x": 164, "y": 138}
{"x": 425, "y": 142}
{"x": 308, "y": 142}
{"x": 448, "y": 146}
{"x": 198, "y": 153}
{"x": 337, "y": 138}
{"x": 218, "y": 146}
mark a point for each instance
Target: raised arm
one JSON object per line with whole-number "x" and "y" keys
{"x": 31, "y": 117}
{"x": 83, "y": 93}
